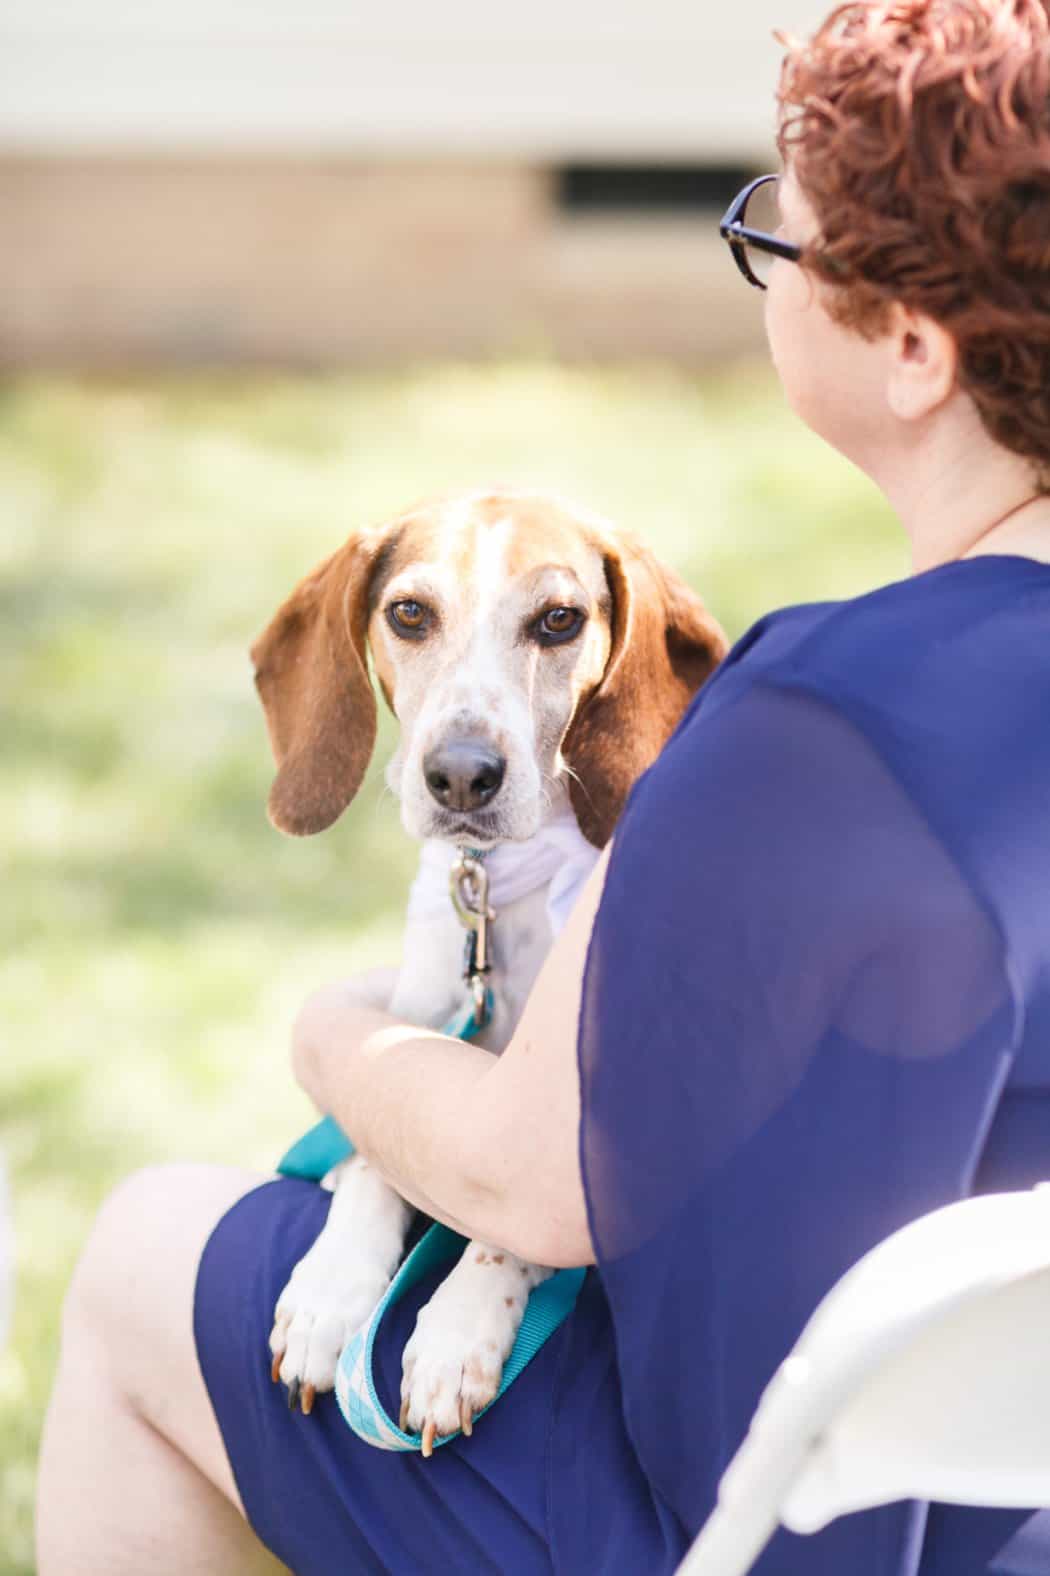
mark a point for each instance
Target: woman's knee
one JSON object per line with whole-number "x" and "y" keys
{"x": 111, "y": 1258}
{"x": 138, "y": 1266}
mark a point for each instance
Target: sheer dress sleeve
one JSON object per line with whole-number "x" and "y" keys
{"x": 796, "y": 1024}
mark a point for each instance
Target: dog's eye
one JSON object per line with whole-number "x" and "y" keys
{"x": 558, "y": 625}
{"x": 408, "y": 617}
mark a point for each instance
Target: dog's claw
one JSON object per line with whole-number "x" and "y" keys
{"x": 293, "y": 1395}
{"x": 309, "y": 1393}
{"x": 275, "y": 1367}
{"x": 466, "y": 1418}
{"x": 429, "y": 1430}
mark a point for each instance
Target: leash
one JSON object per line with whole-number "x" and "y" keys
{"x": 469, "y": 890}
{"x": 326, "y": 1146}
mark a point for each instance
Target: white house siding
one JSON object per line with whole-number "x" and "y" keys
{"x": 547, "y": 79}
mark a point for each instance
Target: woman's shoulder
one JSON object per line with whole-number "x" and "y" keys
{"x": 941, "y": 679}
{"x": 954, "y": 635}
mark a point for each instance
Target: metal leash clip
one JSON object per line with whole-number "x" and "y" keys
{"x": 469, "y": 888}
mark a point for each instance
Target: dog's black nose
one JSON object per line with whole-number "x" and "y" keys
{"x": 463, "y": 774}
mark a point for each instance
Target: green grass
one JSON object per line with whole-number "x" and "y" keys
{"x": 156, "y": 936}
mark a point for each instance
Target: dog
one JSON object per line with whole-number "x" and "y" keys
{"x": 537, "y": 660}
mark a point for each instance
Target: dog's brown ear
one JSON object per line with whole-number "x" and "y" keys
{"x": 311, "y": 670}
{"x": 664, "y": 645}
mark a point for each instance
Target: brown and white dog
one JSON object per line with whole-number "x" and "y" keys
{"x": 537, "y": 660}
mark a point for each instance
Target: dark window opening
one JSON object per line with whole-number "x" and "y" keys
{"x": 590, "y": 189}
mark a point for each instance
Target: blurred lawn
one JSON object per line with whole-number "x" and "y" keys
{"x": 157, "y": 935}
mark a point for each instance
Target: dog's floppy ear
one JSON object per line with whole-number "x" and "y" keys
{"x": 311, "y": 670}
{"x": 664, "y": 645}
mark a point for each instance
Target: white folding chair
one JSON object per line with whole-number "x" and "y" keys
{"x": 923, "y": 1374}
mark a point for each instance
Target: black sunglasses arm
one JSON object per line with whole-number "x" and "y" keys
{"x": 732, "y": 230}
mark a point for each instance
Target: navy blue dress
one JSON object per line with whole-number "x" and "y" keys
{"x": 817, "y": 1004}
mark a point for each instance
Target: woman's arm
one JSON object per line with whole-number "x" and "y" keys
{"x": 489, "y": 1145}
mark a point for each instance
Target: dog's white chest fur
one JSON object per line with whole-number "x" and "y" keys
{"x": 431, "y": 989}
{"x": 532, "y": 888}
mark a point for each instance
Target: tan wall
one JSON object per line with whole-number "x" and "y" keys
{"x": 193, "y": 260}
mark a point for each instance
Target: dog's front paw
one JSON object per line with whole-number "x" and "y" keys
{"x": 454, "y": 1362}
{"x": 325, "y": 1303}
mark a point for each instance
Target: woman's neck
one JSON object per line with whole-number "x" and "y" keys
{"x": 1025, "y": 532}
{"x": 960, "y": 495}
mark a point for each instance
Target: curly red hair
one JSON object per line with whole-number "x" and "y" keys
{"x": 919, "y": 132}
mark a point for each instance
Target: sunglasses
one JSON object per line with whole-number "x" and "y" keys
{"x": 748, "y": 227}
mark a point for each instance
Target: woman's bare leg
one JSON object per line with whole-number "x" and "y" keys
{"x": 133, "y": 1472}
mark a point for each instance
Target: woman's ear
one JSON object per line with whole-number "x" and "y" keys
{"x": 311, "y": 671}
{"x": 923, "y": 364}
{"x": 664, "y": 645}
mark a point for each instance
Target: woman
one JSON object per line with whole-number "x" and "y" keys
{"x": 817, "y": 998}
